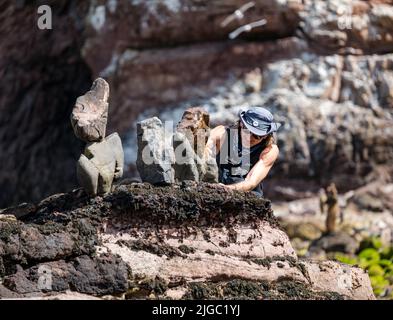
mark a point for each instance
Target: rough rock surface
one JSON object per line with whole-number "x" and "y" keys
{"x": 44, "y": 73}
{"x": 165, "y": 157}
{"x": 101, "y": 164}
{"x": 102, "y": 161}
{"x": 155, "y": 153}
{"x": 90, "y": 114}
{"x": 316, "y": 68}
{"x": 185, "y": 165}
{"x": 327, "y": 134}
{"x": 197, "y": 164}
{"x": 334, "y": 242}
{"x": 195, "y": 125}
{"x": 188, "y": 241}
{"x": 348, "y": 26}
{"x": 365, "y": 213}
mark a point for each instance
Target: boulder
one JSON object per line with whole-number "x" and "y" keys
{"x": 90, "y": 114}
{"x": 189, "y": 240}
{"x": 334, "y": 242}
{"x": 186, "y": 165}
{"x": 184, "y": 159}
{"x": 194, "y": 126}
{"x": 94, "y": 276}
{"x": 155, "y": 153}
{"x": 210, "y": 173}
{"x": 347, "y": 26}
{"x": 102, "y": 161}
{"x": 100, "y": 165}
{"x": 366, "y": 201}
{"x": 304, "y": 231}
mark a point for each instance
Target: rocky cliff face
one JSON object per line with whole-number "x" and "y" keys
{"x": 42, "y": 74}
{"x": 325, "y": 70}
{"x": 188, "y": 241}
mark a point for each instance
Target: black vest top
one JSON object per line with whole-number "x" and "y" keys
{"x": 235, "y": 162}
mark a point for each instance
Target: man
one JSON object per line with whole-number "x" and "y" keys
{"x": 245, "y": 152}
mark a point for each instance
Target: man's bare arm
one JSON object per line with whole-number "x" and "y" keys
{"x": 258, "y": 172}
{"x": 213, "y": 144}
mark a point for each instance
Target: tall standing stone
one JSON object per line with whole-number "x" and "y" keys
{"x": 183, "y": 158}
{"x": 155, "y": 154}
{"x": 185, "y": 166}
{"x": 194, "y": 125}
{"x": 102, "y": 161}
{"x": 90, "y": 114}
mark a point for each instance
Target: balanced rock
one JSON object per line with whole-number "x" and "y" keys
{"x": 155, "y": 155}
{"x": 90, "y": 114}
{"x": 194, "y": 126}
{"x": 183, "y": 157}
{"x": 184, "y": 166}
{"x": 101, "y": 164}
{"x": 102, "y": 161}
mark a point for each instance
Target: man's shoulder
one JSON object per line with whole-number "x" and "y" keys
{"x": 218, "y": 131}
{"x": 275, "y": 148}
{"x": 270, "y": 153}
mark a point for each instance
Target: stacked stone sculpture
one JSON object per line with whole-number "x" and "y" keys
{"x": 193, "y": 131}
{"x": 182, "y": 156}
{"x": 102, "y": 161}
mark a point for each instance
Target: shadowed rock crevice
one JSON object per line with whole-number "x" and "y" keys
{"x": 44, "y": 72}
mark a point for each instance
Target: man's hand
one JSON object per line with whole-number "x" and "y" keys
{"x": 227, "y": 186}
{"x": 224, "y": 186}
{"x": 258, "y": 172}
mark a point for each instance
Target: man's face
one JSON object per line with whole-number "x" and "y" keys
{"x": 256, "y": 139}
{"x": 253, "y": 137}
